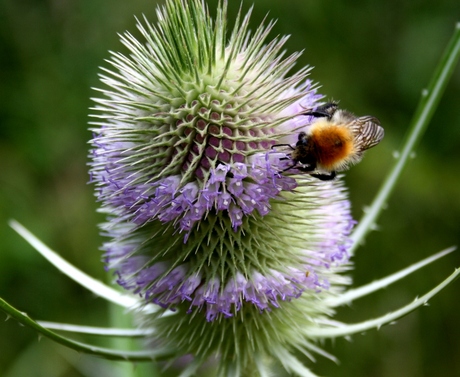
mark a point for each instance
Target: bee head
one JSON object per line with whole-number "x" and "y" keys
{"x": 302, "y": 140}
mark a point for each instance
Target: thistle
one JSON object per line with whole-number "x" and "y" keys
{"x": 200, "y": 216}
{"x": 243, "y": 260}
{"x": 199, "y": 211}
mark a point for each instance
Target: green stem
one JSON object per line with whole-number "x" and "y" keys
{"x": 425, "y": 110}
{"x": 102, "y": 331}
{"x": 345, "y": 330}
{"x": 160, "y": 354}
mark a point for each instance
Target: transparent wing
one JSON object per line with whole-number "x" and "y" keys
{"x": 368, "y": 132}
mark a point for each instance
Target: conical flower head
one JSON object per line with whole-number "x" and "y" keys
{"x": 185, "y": 117}
{"x": 201, "y": 214}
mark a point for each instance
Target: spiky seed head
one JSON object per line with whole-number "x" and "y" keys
{"x": 200, "y": 218}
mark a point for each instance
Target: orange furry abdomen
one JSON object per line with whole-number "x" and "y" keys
{"x": 333, "y": 145}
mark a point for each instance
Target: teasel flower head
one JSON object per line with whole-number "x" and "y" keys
{"x": 202, "y": 219}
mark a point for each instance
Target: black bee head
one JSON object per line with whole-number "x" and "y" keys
{"x": 302, "y": 139}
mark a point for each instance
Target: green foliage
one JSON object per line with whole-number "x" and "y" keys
{"x": 375, "y": 57}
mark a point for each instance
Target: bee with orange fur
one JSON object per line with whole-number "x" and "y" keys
{"x": 335, "y": 140}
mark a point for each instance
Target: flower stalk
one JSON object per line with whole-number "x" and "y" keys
{"x": 429, "y": 100}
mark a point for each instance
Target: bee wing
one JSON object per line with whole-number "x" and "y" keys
{"x": 368, "y": 132}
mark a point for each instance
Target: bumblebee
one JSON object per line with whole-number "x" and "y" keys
{"x": 334, "y": 141}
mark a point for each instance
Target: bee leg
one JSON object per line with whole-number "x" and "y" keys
{"x": 303, "y": 167}
{"x": 283, "y": 145}
{"x": 317, "y": 114}
{"x": 288, "y": 168}
{"x": 326, "y": 110}
{"x": 325, "y": 177}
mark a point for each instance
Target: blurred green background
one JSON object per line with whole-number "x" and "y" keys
{"x": 373, "y": 56}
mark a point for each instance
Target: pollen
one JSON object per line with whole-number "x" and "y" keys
{"x": 334, "y": 144}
